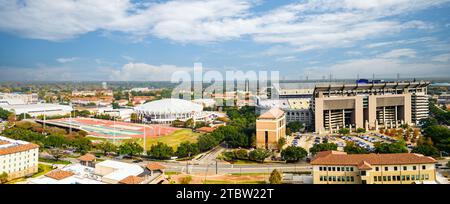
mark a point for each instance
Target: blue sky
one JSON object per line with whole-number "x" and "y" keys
{"x": 149, "y": 40}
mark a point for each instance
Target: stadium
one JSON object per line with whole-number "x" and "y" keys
{"x": 165, "y": 111}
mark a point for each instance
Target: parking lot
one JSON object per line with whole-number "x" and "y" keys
{"x": 365, "y": 141}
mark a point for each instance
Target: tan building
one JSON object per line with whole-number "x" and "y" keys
{"x": 370, "y": 106}
{"x": 270, "y": 127}
{"x": 333, "y": 167}
{"x": 18, "y": 158}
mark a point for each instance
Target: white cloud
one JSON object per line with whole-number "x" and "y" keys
{"x": 399, "y": 53}
{"x": 146, "y": 72}
{"x": 287, "y": 59}
{"x": 306, "y": 25}
{"x": 442, "y": 58}
{"x": 66, "y": 60}
{"x": 381, "y": 67}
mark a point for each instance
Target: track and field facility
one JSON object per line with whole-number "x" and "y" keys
{"x": 112, "y": 130}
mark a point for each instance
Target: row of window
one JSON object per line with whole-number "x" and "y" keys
{"x": 337, "y": 178}
{"x": 339, "y": 168}
{"x": 401, "y": 178}
{"x": 405, "y": 168}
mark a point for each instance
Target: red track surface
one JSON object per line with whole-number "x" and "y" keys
{"x": 151, "y": 131}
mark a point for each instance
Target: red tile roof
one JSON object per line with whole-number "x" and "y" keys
{"x": 59, "y": 174}
{"x": 273, "y": 113}
{"x": 155, "y": 166}
{"x": 132, "y": 180}
{"x": 87, "y": 158}
{"x": 341, "y": 158}
{"x": 18, "y": 148}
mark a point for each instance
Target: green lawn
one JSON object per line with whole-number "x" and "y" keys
{"x": 173, "y": 139}
{"x": 52, "y": 161}
{"x": 42, "y": 169}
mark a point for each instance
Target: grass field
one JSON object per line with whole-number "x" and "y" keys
{"x": 173, "y": 139}
{"x": 52, "y": 161}
{"x": 42, "y": 169}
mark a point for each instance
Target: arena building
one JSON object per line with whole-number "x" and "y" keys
{"x": 165, "y": 111}
{"x": 39, "y": 109}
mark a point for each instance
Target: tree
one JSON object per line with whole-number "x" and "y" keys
{"x": 160, "y": 151}
{"x": 115, "y": 105}
{"x": 322, "y": 147}
{"x": 440, "y": 135}
{"x": 344, "y": 131}
{"x": 4, "y": 114}
{"x": 11, "y": 118}
{"x": 351, "y": 148}
{"x": 187, "y": 149}
{"x": 58, "y": 154}
{"x": 395, "y": 147}
{"x": 275, "y": 177}
{"x": 3, "y": 177}
{"x": 130, "y": 148}
{"x": 206, "y": 142}
{"x": 294, "y": 126}
{"x": 56, "y": 141}
{"x": 107, "y": 147}
{"x": 259, "y": 155}
{"x": 360, "y": 130}
{"x": 241, "y": 154}
{"x": 281, "y": 142}
{"x": 426, "y": 149}
{"x": 293, "y": 154}
{"x": 189, "y": 123}
{"x": 82, "y": 144}
{"x": 186, "y": 180}
{"x": 134, "y": 117}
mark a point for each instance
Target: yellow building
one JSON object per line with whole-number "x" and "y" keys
{"x": 270, "y": 127}
{"x": 18, "y": 158}
{"x": 333, "y": 167}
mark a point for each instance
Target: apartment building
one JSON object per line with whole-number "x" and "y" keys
{"x": 270, "y": 127}
{"x": 371, "y": 105}
{"x": 333, "y": 167}
{"x": 18, "y": 158}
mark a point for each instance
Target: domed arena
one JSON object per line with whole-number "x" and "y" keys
{"x": 165, "y": 111}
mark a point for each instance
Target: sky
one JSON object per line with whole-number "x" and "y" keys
{"x": 149, "y": 40}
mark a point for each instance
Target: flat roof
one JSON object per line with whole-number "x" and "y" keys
{"x": 122, "y": 170}
{"x": 355, "y": 86}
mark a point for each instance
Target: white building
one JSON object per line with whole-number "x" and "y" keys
{"x": 168, "y": 110}
{"x": 35, "y": 110}
{"x": 297, "y": 109}
{"x": 17, "y": 99}
{"x": 113, "y": 172}
{"x": 18, "y": 158}
{"x": 123, "y": 113}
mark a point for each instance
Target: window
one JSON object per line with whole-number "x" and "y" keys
{"x": 398, "y": 178}
{"x": 320, "y": 168}
{"x": 389, "y": 178}
{"x": 386, "y": 168}
{"x": 423, "y": 167}
{"x": 375, "y": 179}
{"x": 394, "y": 178}
{"x": 348, "y": 168}
{"x": 384, "y": 178}
{"x": 351, "y": 168}
{"x": 395, "y": 168}
{"x": 329, "y": 168}
{"x": 379, "y": 178}
{"x": 352, "y": 179}
{"x": 403, "y": 177}
{"x": 377, "y": 169}
{"x": 414, "y": 168}
{"x": 339, "y": 179}
{"x": 338, "y": 168}
{"x": 413, "y": 177}
{"x": 334, "y": 168}
{"x": 321, "y": 178}
{"x": 334, "y": 178}
{"x": 427, "y": 177}
{"x": 407, "y": 177}
{"x": 405, "y": 168}
{"x": 363, "y": 173}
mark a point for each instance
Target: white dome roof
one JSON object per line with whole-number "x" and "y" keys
{"x": 167, "y": 106}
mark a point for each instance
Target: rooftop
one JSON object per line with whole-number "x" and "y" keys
{"x": 366, "y": 160}
{"x": 121, "y": 169}
{"x": 273, "y": 113}
{"x": 87, "y": 158}
{"x": 170, "y": 106}
{"x": 10, "y": 146}
{"x": 59, "y": 174}
{"x": 132, "y": 180}
{"x": 155, "y": 166}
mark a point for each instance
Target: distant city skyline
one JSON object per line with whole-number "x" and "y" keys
{"x": 149, "y": 40}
